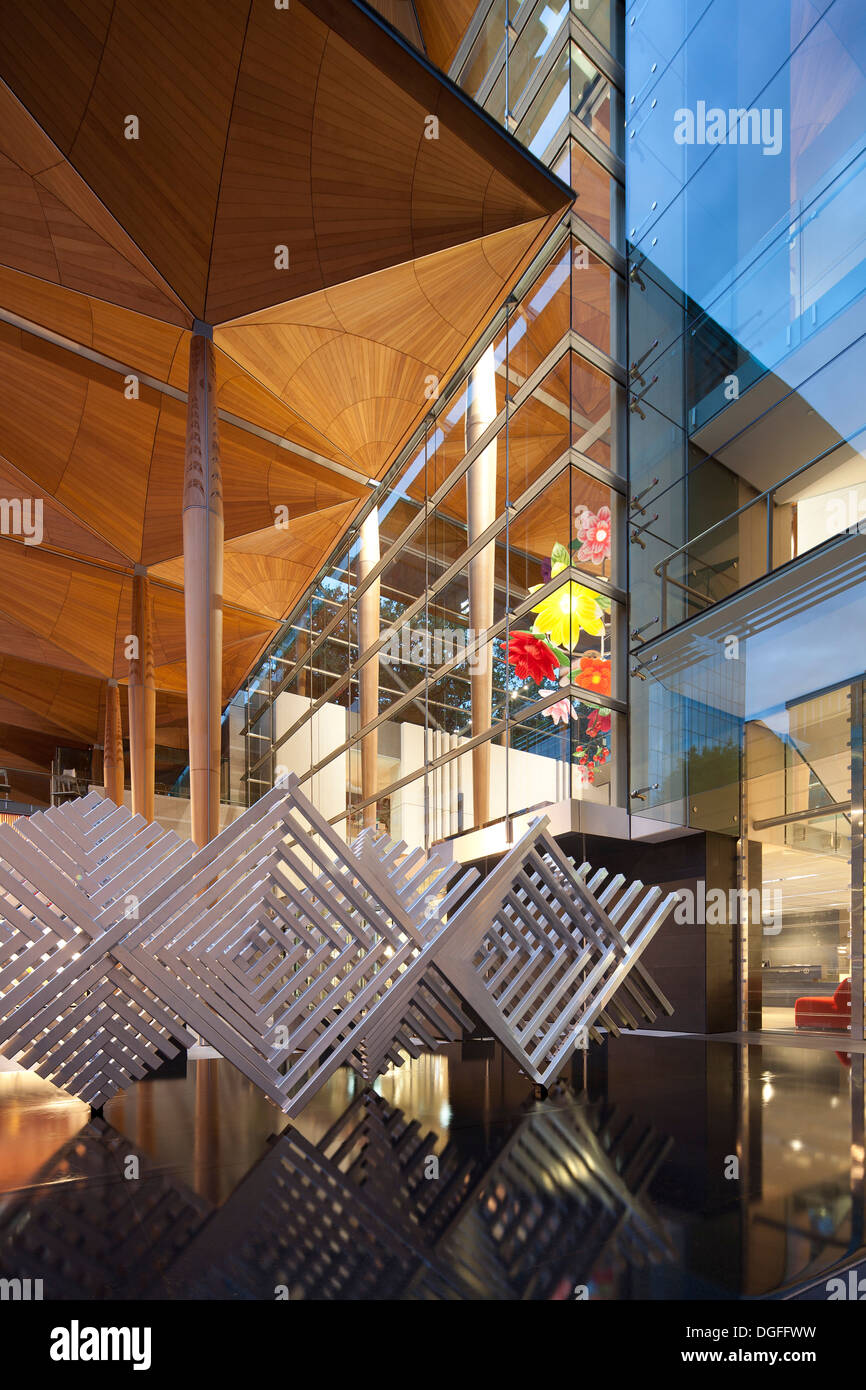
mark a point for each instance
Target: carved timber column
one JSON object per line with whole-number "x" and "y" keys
{"x": 481, "y": 512}
{"x": 368, "y": 632}
{"x": 112, "y": 756}
{"x": 142, "y": 700}
{"x": 203, "y": 587}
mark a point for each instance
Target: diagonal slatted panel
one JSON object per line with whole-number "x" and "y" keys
{"x": 427, "y": 886}
{"x": 69, "y": 1010}
{"x": 544, "y": 960}
{"x": 286, "y": 951}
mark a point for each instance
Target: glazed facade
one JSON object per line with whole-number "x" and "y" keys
{"x": 515, "y": 486}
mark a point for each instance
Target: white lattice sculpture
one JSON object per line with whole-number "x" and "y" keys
{"x": 74, "y": 1006}
{"x": 276, "y": 943}
{"x": 285, "y": 951}
{"x": 543, "y": 960}
{"x": 425, "y": 886}
{"x": 292, "y": 953}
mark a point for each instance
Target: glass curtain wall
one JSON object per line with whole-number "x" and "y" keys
{"x": 460, "y": 660}
{"x": 747, "y": 469}
{"x": 747, "y": 245}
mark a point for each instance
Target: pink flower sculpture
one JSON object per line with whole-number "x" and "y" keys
{"x": 560, "y": 713}
{"x": 593, "y": 531}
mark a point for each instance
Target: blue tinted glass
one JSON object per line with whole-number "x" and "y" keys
{"x": 723, "y": 125}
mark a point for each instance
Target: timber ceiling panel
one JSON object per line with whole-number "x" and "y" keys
{"x": 248, "y": 138}
{"x": 267, "y": 571}
{"x": 31, "y": 753}
{"x": 70, "y": 708}
{"x": 53, "y": 227}
{"x": 111, "y": 470}
{"x": 63, "y": 703}
{"x": 77, "y": 616}
{"x": 257, "y": 127}
{"x": 339, "y": 356}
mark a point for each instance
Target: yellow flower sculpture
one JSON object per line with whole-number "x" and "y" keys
{"x": 563, "y": 614}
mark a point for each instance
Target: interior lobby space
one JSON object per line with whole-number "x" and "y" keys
{"x": 803, "y": 852}
{"x": 659, "y": 1168}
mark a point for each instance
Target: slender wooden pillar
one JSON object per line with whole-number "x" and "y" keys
{"x": 142, "y": 700}
{"x": 203, "y": 588}
{"x": 112, "y": 757}
{"x": 368, "y": 632}
{"x": 481, "y": 513}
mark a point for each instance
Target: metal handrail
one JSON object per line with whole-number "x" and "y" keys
{"x": 661, "y": 569}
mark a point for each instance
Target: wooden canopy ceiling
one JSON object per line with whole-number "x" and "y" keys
{"x": 280, "y": 187}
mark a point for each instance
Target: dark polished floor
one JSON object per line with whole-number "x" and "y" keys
{"x": 660, "y": 1168}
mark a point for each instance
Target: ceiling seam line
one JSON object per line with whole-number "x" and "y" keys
{"x": 223, "y": 160}
{"x": 65, "y": 160}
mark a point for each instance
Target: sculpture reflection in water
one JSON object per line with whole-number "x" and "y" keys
{"x": 362, "y": 1214}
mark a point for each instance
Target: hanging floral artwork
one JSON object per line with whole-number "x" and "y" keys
{"x": 593, "y": 673}
{"x": 531, "y": 658}
{"x": 560, "y": 713}
{"x": 561, "y": 621}
{"x": 593, "y": 534}
{"x": 562, "y": 615}
{"x": 598, "y": 723}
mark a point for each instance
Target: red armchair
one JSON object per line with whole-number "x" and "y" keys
{"x": 830, "y": 1012}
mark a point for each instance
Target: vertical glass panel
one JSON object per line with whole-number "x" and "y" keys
{"x": 292, "y": 734}
{"x": 327, "y": 730}
{"x": 450, "y": 700}
{"x": 539, "y": 127}
{"x": 597, "y": 301}
{"x": 400, "y": 743}
{"x": 596, "y": 407}
{"x": 798, "y": 792}
{"x": 403, "y": 579}
{"x": 526, "y": 55}
{"x": 565, "y": 640}
{"x": 484, "y": 49}
{"x": 596, "y": 104}
{"x": 540, "y": 766}
{"x": 603, "y": 19}
{"x": 329, "y": 597}
{"x": 563, "y": 753}
{"x": 599, "y": 196}
{"x": 446, "y": 445}
{"x": 538, "y": 434}
{"x": 571, "y": 520}
{"x": 539, "y": 322}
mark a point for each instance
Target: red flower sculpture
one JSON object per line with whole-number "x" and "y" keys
{"x": 594, "y": 674}
{"x": 597, "y": 724}
{"x": 531, "y": 658}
